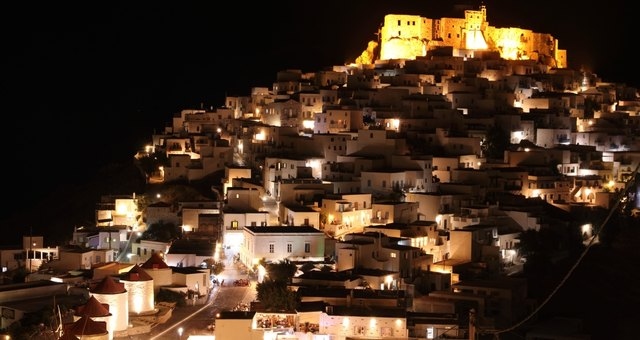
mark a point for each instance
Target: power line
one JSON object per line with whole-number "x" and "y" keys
{"x": 496, "y": 333}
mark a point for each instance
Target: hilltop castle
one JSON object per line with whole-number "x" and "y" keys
{"x": 412, "y": 36}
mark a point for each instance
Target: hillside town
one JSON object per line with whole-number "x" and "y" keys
{"x": 419, "y": 195}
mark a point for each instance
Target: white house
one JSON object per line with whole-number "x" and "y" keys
{"x": 277, "y": 243}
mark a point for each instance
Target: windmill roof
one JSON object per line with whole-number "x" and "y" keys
{"x": 86, "y": 326}
{"x": 136, "y": 274}
{"x": 93, "y": 308}
{"x": 109, "y": 286}
{"x": 155, "y": 262}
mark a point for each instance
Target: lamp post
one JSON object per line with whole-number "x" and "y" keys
{"x": 180, "y": 330}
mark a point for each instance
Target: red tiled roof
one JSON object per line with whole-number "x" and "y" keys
{"x": 137, "y": 274}
{"x": 155, "y": 262}
{"x": 85, "y": 326}
{"x": 109, "y": 286}
{"x": 93, "y": 308}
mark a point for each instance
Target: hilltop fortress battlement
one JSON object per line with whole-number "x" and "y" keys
{"x": 412, "y": 36}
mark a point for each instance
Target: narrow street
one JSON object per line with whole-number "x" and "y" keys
{"x": 195, "y": 319}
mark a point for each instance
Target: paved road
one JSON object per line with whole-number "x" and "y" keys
{"x": 196, "y": 318}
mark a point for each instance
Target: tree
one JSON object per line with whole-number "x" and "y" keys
{"x": 161, "y": 232}
{"x": 216, "y": 267}
{"x": 496, "y": 142}
{"x": 281, "y": 271}
{"x": 150, "y": 163}
{"x": 276, "y": 296}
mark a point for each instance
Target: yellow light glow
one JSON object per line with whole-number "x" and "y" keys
{"x": 260, "y": 136}
{"x": 586, "y": 228}
{"x": 308, "y": 124}
{"x": 345, "y": 322}
{"x": 475, "y": 40}
{"x": 314, "y": 163}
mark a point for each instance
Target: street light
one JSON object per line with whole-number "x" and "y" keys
{"x": 180, "y": 330}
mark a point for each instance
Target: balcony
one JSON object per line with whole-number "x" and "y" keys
{"x": 379, "y": 220}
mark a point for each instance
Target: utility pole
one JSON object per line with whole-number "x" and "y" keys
{"x": 472, "y": 324}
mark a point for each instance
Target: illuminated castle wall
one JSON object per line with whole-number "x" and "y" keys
{"x": 410, "y": 36}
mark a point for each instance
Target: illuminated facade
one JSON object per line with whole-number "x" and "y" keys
{"x": 113, "y": 294}
{"x": 139, "y": 286}
{"x": 410, "y": 36}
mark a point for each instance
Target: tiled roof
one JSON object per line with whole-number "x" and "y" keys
{"x": 136, "y": 274}
{"x": 93, "y": 308}
{"x": 109, "y": 286}
{"x": 86, "y": 326}
{"x": 155, "y": 262}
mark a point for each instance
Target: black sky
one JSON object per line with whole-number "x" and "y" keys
{"x": 86, "y": 84}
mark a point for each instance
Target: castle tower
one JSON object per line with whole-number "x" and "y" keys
{"x": 473, "y": 30}
{"x": 404, "y": 36}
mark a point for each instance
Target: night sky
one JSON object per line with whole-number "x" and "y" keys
{"x": 87, "y": 86}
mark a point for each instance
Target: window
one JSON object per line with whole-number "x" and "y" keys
{"x": 234, "y": 225}
{"x": 289, "y": 247}
{"x": 307, "y": 247}
{"x": 272, "y": 248}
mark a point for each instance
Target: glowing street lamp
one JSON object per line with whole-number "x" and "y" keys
{"x": 180, "y": 330}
